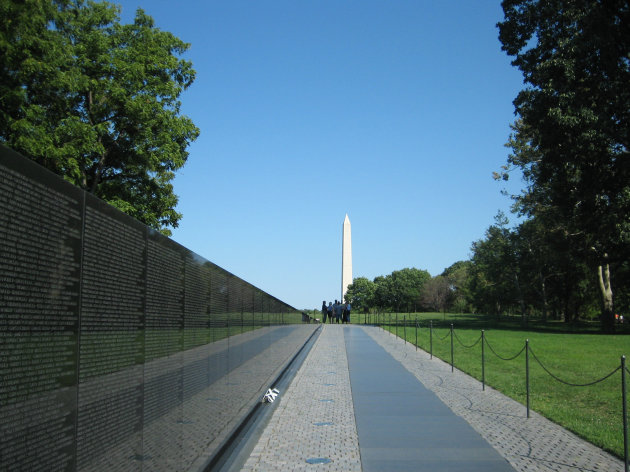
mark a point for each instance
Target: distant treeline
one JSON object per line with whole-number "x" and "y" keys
{"x": 524, "y": 270}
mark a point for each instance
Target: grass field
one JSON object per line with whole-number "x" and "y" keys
{"x": 576, "y": 354}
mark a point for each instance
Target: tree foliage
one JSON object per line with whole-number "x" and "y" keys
{"x": 436, "y": 293}
{"x": 406, "y": 288}
{"x": 400, "y": 290}
{"x": 572, "y": 135}
{"x": 457, "y": 276}
{"x": 529, "y": 271}
{"x": 360, "y": 294}
{"x": 97, "y": 101}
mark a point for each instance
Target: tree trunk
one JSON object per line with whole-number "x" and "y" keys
{"x": 543, "y": 295}
{"x": 521, "y": 301}
{"x": 568, "y": 292}
{"x": 605, "y": 287}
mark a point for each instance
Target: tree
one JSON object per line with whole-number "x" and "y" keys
{"x": 406, "y": 288}
{"x": 436, "y": 293}
{"x": 572, "y": 135}
{"x": 458, "y": 276}
{"x": 96, "y": 101}
{"x": 400, "y": 290}
{"x": 383, "y": 292}
{"x": 360, "y": 294}
{"x": 494, "y": 273}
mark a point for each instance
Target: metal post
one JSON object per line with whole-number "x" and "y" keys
{"x": 452, "y": 367}
{"x": 483, "y": 361}
{"x": 405, "y": 328}
{"x": 431, "y": 338}
{"x": 527, "y": 373}
{"x": 396, "y": 324}
{"x": 416, "y": 335}
{"x": 624, "y": 399}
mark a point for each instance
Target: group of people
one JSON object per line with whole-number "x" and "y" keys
{"x": 336, "y": 311}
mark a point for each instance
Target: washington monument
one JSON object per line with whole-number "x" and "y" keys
{"x": 346, "y": 257}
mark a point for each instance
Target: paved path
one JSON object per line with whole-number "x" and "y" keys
{"x": 404, "y": 426}
{"x": 316, "y": 416}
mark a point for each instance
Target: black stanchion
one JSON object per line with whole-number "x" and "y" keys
{"x": 431, "y": 337}
{"x": 483, "y": 361}
{"x": 405, "y": 328}
{"x": 452, "y": 364}
{"x": 624, "y": 399}
{"x": 416, "y": 335}
{"x": 527, "y": 373}
{"x": 396, "y": 324}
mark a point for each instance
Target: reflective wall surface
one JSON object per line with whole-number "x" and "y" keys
{"x": 119, "y": 348}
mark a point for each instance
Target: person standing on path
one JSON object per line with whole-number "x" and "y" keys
{"x": 324, "y": 311}
{"x": 346, "y": 313}
{"x": 338, "y": 310}
{"x": 330, "y": 311}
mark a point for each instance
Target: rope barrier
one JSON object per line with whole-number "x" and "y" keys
{"x": 464, "y": 345}
{"x": 528, "y": 350}
{"x": 504, "y": 358}
{"x": 569, "y": 383}
{"x": 446, "y": 336}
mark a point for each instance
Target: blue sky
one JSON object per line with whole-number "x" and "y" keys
{"x": 395, "y": 113}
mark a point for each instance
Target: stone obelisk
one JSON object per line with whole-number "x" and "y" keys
{"x": 346, "y": 257}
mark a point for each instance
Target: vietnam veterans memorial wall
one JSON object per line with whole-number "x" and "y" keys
{"x": 120, "y": 349}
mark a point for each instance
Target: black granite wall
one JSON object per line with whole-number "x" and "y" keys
{"x": 119, "y": 348}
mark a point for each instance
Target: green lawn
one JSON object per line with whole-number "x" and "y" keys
{"x": 579, "y": 357}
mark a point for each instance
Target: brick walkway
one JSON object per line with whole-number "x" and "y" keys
{"x": 307, "y": 424}
{"x": 315, "y": 417}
